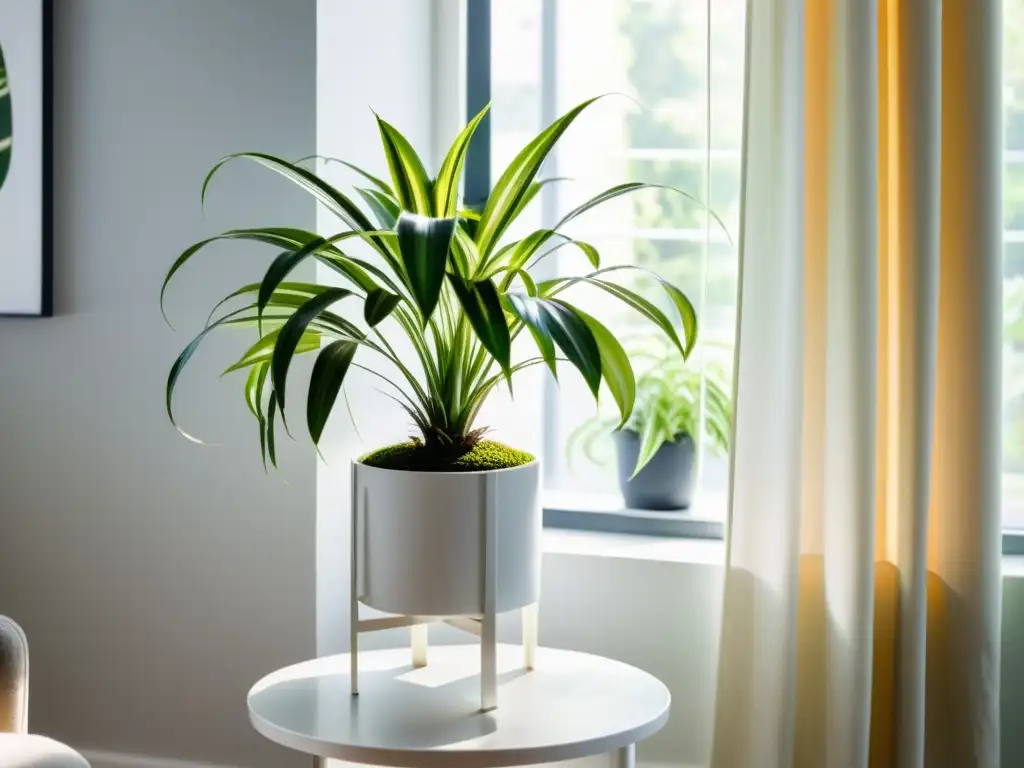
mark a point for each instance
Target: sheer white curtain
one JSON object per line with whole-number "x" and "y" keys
{"x": 862, "y": 598}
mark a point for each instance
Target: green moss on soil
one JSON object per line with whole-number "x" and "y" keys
{"x": 412, "y": 456}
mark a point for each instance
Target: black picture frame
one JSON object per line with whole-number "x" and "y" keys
{"x": 46, "y": 259}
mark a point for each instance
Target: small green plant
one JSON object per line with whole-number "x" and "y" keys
{"x": 668, "y": 406}
{"x": 442, "y": 276}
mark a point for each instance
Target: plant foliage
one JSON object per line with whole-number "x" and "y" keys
{"x": 446, "y": 279}
{"x": 6, "y": 122}
{"x": 667, "y": 406}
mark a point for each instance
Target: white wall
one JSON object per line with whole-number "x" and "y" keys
{"x": 157, "y": 580}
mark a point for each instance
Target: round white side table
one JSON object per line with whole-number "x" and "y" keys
{"x": 571, "y": 705}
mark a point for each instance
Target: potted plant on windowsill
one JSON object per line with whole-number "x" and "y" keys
{"x": 656, "y": 451}
{"x": 446, "y": 280}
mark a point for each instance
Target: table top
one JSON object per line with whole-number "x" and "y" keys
{"x": 570, "y": 705}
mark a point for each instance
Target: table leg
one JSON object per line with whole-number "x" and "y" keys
{"x": 625, "y": 757}
{"x": 529, "y": 618}
{"x": 418, "y": 634}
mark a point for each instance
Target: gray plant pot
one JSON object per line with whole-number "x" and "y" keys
{"x": 666, "y": 482}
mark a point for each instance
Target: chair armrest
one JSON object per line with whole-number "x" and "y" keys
{"x": 13, "y": 678}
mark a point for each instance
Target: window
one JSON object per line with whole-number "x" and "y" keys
{"x": 677, "y": 66}
{"x": 1013, "y": 265}
{"x": 679, "y": 124}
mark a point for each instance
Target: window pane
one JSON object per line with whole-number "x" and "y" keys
{"x": 665, "y": 130}
{"x": 1013, "y": 266}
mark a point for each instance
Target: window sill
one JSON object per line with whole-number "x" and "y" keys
{"x": 596, "y": 525}
{"x": 665, "y": 549}
{"x": 672, "y": 550}
{"x": 589, "y": 526}
{"x": 705, "y": 551}
{"x": 604, "y": 513}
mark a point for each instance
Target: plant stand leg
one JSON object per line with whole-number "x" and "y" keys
{"x": 488, "y": 664}
{"x": 353, "y": 612}
{"x": 418, "y": 634}
{"x": 530, "y": 616}
{"x": 488, "y": 628}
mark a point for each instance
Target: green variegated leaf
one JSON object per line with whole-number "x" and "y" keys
{"x": 513, "y": 273}
{"x": 529, "y": 313}
{"x": 378, "y": 305}
{"x": 482, "y": 305}
{"x": 263, "y": 349}
{"x": 271, "y": 443}
{"x": 287, "y": 261}
{"x": 238, "y": 316}
{"x": 254, "y": 388}
{"x": 379, "y": 183}
{"x": 514, "y": 184}
{"x": 565, "y": 326}
{"x": 528, "y": 248}
{"x": 424, "y": 244}
{"x": 652, "y": 436}
{"x": 615, "y": 367}
{"x": 682, "y": 303}
{"x": 465, "y": 255}
{"x": 281, "y": 237}
{"x": 648, "y": 310}
{"x": 446, "y": 188}
{"x": 384, "y": 208}
{"x": 328, "y": 375}
{"x": 291, "y": 334}
{"x": 334, "y": 200}
{"x": 532, "y": 191}
{"x": 287, "y": 294}
{"x": 411, "y": 183}
{"x": 635, "y": 186}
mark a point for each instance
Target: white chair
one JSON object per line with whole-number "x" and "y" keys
{"x": 19, "y": 749}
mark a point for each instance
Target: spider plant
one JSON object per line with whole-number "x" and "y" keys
{"x": 444, "y": 277}
{"x": 667, "y": 406}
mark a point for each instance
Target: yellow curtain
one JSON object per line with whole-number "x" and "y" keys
{"x": 862, "y": 598}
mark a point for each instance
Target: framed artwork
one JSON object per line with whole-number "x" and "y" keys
{"x": 26, "y": 227}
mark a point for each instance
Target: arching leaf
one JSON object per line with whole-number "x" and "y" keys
{"x": 291, "y": 333}
{"x": 378, "y": 305}
{"x": 411, "y": 183}
{"x": 446, "y": 188}
{"x": 377, "y": 182}
{"x": 424, "y": 244}
{"x": 281, "y": 237}
{"x": 615, "y": 367}
{"x": 503, "y": 204}
{"x": 482, "y": 305}
{"x": 384, "y": 208}
{"x": 262, "y": 351}
{"x": 328, "y": 375}
{"x": 282, "y": 266}
{"x": 565, "y": 326}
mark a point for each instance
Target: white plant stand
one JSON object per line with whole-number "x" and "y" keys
{"x": 573, "y": 706}
{"x": 482, "y": 624}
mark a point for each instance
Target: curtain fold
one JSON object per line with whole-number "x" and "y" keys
{"x": 862, "y": 590}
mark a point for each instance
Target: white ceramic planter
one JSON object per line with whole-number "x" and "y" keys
{"x": 422, "y": 539}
